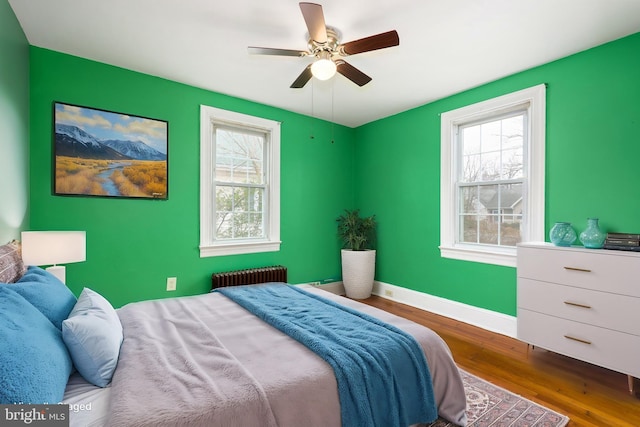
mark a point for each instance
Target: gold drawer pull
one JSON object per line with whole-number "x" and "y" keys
{"x": 575, "y": 304}
{"x": 569, "y": 337}
{"x": 577, "y": 269}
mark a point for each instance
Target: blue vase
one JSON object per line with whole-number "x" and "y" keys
{"x": 593, "y": 237}
{"x": 562, "y": 234}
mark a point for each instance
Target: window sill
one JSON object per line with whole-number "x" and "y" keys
{"x": 486, "y": 255}
{"x": 238, "y": 248}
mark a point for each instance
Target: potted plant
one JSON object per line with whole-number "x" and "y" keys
{"x": 358, "y": 259}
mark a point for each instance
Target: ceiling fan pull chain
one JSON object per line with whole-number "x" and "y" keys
{"x": 311, "y": 136}
{"x": 333, "y": 123}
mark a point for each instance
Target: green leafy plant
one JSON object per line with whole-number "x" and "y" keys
{"x": 356, "y": 232}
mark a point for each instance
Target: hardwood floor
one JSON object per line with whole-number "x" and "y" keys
{"x": 587, "y": 394}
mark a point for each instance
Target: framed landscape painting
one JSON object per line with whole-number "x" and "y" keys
{"x": 108, "y": 154}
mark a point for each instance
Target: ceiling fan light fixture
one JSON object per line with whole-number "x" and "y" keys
{"x": 324, "y": 68}
{"x": 323, "y": 44}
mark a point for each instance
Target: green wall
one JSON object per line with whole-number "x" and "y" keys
{"x": 14, "y": 129}
{"x": 592, "y": 154}
{"x": 390, "y": 167}
{"x": 134, "y": 245}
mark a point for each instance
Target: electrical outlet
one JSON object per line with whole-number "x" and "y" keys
{"x": 314, "y": 283}
{"x": 388, "y": 293}
{"x": 171, "y": 283}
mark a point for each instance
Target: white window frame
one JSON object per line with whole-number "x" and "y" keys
{"x": 532, "y": 99}
{"x": 210, "y": 116}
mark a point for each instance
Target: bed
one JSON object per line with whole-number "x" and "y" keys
{"x": 265, "y": 377}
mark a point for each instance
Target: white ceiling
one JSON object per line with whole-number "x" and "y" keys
{"x": 446, "y": 46}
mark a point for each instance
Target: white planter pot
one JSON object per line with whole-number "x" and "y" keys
{"x": 358, "y": 270}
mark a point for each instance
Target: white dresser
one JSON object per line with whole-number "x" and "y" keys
{"x": 583, "y": 303}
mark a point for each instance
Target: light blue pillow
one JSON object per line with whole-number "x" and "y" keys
{"x": 46, "y": 293}
{"x": 93, "y": 335}
{"x": 34, "y": 362}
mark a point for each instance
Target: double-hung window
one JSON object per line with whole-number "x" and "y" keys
{"x": 492, "y": 177}
{"x": 239, "y": 183}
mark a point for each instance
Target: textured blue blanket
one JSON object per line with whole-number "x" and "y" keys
{"x": 381, "y": 371}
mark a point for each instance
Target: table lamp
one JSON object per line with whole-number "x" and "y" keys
{"x": 53, "y": 248}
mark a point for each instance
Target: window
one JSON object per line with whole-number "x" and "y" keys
{"x": 492, "y": 177}
{"x": 239, "y": 183}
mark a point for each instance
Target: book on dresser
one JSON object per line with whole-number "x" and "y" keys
{"x": 628, "y": 236}
{"x": 621, "y": 247}
{"x": 622, "y": 242}
{"x": 583, "y": 303}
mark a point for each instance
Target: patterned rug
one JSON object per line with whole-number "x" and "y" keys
{"x": 490, "y": 405}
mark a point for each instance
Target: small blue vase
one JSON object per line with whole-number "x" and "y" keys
{"x": 562, "y": 234}
{"x": 593, "y": 237}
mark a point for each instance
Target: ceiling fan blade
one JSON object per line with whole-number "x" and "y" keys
{"x": 272, "y": 51}
{"x": 379, "y": 41}
{"x": 302, "y": 79}
{"x": 314, "y": 18}
{"x": 352, "y": 73}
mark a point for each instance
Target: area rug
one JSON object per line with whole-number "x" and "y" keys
{"x": 490, "y": 405}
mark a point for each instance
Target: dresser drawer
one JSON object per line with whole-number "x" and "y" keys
{"x": 609, "y": 271}
{"x": 614, "y": 350}
{"x": 612, "y": 311}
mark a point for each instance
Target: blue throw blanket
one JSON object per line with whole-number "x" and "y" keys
{"x": 381, "y": 371}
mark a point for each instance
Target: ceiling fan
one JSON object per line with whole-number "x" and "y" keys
{"x": 324, "y": 44}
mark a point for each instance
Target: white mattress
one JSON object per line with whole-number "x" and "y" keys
{"x": 89, "y": 404}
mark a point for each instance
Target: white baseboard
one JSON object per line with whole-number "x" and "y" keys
{"x": 480, "y": 317}
{"x": 334, "y": 287}
{"x": 486, "y": 319}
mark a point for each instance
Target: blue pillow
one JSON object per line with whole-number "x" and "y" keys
{"x": 46, "y": 293}
{"x": 37, "y": 274}
{"x": 93, "y": 335}
{"x": 34, "y": 362}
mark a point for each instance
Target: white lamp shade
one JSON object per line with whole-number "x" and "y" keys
{"x": 53, "y": 247}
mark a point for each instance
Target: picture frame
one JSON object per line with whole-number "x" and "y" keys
{"x": 103, "y": 153}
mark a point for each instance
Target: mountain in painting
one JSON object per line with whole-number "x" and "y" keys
{"x": 72, "y": 141}
{"x": 135, "y": 149}
{"x": 78, "y": 135}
